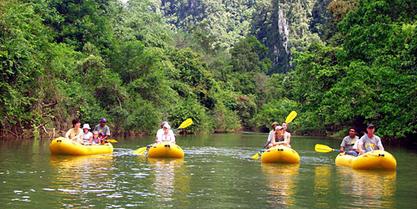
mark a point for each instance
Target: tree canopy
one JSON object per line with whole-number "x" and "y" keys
{"x": 228, "y": 65}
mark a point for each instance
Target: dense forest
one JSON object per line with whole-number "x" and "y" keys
{"x": 229, "y": 65}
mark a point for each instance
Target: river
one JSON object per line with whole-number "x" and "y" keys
{"x": 217, "y": 172}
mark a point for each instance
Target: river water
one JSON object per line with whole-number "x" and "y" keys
{"x": 217, "y": 172}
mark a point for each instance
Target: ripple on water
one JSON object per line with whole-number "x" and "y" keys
{"x": 236, "y": 153}
{"x": 117, "y": 152}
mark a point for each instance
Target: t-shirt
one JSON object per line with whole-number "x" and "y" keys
{"x": 74, "y": 135}
{"x": 162, "y": 137}
{"x": 368, "y": 144}
{"x": 348, "y": 143}
{"x": 87, "y": 136}
{"x": 105, "y": 130}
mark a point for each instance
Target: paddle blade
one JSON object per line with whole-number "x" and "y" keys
{"x": 255, "y": 156}
{"x": 322, "y": 148}
{"x": 186, "y": 123}
{"x": 140, "y": 151}
{"x": 113, "y": 141}
{"x": 291, "y": 117}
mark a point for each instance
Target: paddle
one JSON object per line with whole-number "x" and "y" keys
{"x": 140, "y": 151}
{"x": 185, "y": 124}
{"x": 324, "y": 148}
{"x": 288, "y": 120}
{"x": 257, "y": 155}
{"x": 113, "y": 141}
{"x": 291, "y": 117}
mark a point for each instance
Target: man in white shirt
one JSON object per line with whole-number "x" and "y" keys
{"x": 349, "y": 142}
{"x": 369, "y": 141}
{"x": 271, "y": 136}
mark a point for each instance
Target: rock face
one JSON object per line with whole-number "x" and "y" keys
{"x": 282, "y": 25}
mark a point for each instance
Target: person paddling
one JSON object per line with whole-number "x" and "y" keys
{"x": 271, "y": 136}
{"x": 348, "y": 143}
{"x": 103, "y": 129}
{"x": 369, "y": 141}
{"x": 75, "y": 133}
{"x": 167, "y": 134}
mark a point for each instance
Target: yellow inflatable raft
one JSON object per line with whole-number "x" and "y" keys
{"x": 375, "y": 160}
{"x": 280, "y": 154}
{"x": 165, "y": 150}
{"x": 63, "y": 146}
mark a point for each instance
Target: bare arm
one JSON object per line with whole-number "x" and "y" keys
{"x": 67, "y": 134}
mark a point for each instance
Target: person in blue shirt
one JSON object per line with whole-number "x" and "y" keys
{"x": 103, "y": 129}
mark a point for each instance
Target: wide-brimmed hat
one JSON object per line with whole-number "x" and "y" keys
{"x": 162, "y": 123}
{"x": 166, "y": 125}
{"x": 86, "y": 126}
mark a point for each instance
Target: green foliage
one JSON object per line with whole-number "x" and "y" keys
{"x": 143, "y": 116}
{"x": 249, "y": 55}
{"x": 371, "y": 78}
{"x": 276, "y": 110}
{"x": 140, "y": 62}
{"x": 225, "y": 120}
{"x": 246, "y": 108}
{"x": 190, "y": 108}
{"x": 193, "y": 72}
{"x": 276, "y": 87}
{"x": 23, "y": 44}
{"x": 79, "y": 22}
{"x": 142, "y": 20}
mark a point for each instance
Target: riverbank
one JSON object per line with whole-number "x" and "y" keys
{"x": 408, "y": 142}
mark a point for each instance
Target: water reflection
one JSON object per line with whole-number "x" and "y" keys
{"x": 281, "y": 183}
{"x": 81, "y": 167}
{"x": 78, "y": 177}
{"x": 171, "y": 181}
{"x": 322, "y": 185}
{"x": 375, "y": 189}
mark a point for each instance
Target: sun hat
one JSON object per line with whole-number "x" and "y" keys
{"x": 86, "y": 126}
{"x": 163, "y": 123}
{"x": 166, "y": 125}
{"x": 274, "y": 124}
